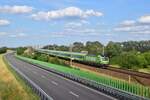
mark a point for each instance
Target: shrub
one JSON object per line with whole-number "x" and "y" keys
{"x": 115, "y": 60}
{"x": 147, "y": 57}
{"x": 20, "y": 50}
{"x": 3, "y": 50}
{"x": 142, "y": 61}
{"x": 129, "y": 60}
{"x": 56, "y": 60}
{"x": 43, "y": 57}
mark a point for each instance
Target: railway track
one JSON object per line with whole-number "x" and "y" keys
{"x": 109, "y": 70}
{"x": 130, "y": 72}
{"x": 137, "y": 77}
{"x": 125, "y": 71}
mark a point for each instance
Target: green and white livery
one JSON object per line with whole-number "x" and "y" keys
{"x": 82, "y": 57}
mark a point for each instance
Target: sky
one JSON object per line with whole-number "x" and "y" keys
{"x": 62, "y": 22}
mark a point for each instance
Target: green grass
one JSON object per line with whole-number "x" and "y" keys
{"x": 12, "y": 87}
{"x": 119, "y": 84}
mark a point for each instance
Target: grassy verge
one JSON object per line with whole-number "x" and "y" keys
{"x": 12, "y": 87}
{"x": 145, "y": 70}
{"x": 123, "y": 85}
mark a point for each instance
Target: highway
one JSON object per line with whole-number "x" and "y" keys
{"x": 59, "y": 88}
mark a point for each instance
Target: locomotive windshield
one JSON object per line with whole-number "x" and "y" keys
{"x": 104, "y": 58}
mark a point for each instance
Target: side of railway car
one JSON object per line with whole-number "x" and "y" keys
{"x": 77, "y": 56}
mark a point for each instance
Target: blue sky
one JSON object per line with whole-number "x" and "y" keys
{"x": 33, "y": 22}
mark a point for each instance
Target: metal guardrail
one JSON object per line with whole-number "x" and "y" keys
{"x": 114, "y": 92}
{"x": 35, "y": 88}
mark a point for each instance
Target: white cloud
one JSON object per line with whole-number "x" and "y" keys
{"x": 132, "y": 28}
{"x": 73, "y": 25}
{"x": 3, "y": 33}
{"x": 22, "y": 34}
{"x": 141, "y": 32}
{"x": 15, "y": 9}
{"x": 139, "y": 26}
{"x": 128, "y": 22}
{"x": 144, "y": 19}
{"x": 76, "y": 24}
{"x": 18, "y": 35}
{"x": 70, "y": 12}
{"x": 81, "y": 31}
{"x": 85, "y": 22}
{"x": 4, "y": 22}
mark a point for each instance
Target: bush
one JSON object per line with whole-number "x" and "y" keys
{"x": 53, "y": 60}
{"x": 132, "y": 60}
{"x": 20, "y": 50}
{"x": 147, "y": 57}
{"x": 56, "y": 60}
{"x": 128, "y": 61}
{"x": 115, "y": 60}
{"x": 142, "y": 61}
{"x": 3, "y": 50}
{"x": 43, "y": 57}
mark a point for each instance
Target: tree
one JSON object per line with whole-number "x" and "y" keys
{"x": 95, "y": 47}
{"x": 3, "y": 50}
{"x": 63, "y": 48}
{"x": 43, "y": 57}
{"x": 129, "y": 60}
{"x": 78, "y": 47}
{"x": 147, "y": 57}
{"x": 142, "y": 46}
{"x": 56, "y": 47}
{"x": 113, "y": 49}
{"x": 20, "y": 50}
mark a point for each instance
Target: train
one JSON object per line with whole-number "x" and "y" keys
{"x": 79, "y": 57}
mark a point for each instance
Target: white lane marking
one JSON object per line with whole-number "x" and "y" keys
{"x": 78, "y": 84}
{"x": 74, "y": 94}
{"x": 15, "y": 68}
{"x": 54, "y": 83}
{"x": 43, "y": 76}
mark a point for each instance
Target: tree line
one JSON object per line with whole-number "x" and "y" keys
{"x": 111, "y": 49}
{"x": 3, "y": 50}
{"x": 129, "y": 54}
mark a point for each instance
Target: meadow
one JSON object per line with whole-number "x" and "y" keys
{"x": 11, "y": 86}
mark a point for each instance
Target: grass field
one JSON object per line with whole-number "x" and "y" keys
{"x": 145, "y": 70}
{"x": 123, "y": 85}
{"x": 11, "y": 86}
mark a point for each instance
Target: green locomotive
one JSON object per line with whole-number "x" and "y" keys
{"x": 81, "y": 57}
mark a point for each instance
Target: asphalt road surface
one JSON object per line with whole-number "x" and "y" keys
{"x": 59, "y": 88}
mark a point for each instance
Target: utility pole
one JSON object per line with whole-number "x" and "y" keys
{"x": 103, "y": 50}
{"x": 129, "y": 78}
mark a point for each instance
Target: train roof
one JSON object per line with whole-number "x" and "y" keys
{"x": 64, "y": 52}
